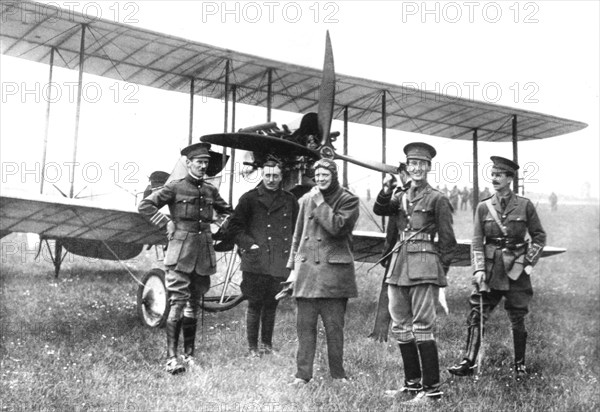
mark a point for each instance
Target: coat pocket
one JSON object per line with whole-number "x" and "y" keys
{"x": 175, "y": 247}
{"x": 423, "y": 261}
{"x": 340, "y": 256}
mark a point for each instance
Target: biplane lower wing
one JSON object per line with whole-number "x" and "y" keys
{"x": 84, "y": 228}
{"x": 369, "y": 245}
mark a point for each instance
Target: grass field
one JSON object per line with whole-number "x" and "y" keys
{"x": 75, "y": 343}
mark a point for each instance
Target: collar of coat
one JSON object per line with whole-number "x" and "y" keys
{"x": 510, "y": 205}
{"x": 277, "y": 198}
{"x": 414, "y": 195}
{"x": 193, "y": 180}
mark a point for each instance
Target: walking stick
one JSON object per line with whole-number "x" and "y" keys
{"x": 481, "y": 345}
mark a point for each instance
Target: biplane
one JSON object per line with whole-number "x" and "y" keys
{"x": 144, "y": 57}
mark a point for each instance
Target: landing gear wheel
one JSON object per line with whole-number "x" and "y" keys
{"x": 225, "y": 290}
{"x": 152, "y": 299}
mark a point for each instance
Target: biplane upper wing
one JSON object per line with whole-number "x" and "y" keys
{"x": 140, "y": 56}
{"x": 64, "y": 218}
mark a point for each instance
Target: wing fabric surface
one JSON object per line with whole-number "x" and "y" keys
{"x": 63, "y": 218}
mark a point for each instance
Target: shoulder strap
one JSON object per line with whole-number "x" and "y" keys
{"x": 494, "y": 214}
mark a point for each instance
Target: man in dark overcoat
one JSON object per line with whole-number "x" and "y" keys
{"x": 190, "y": 258}
{"x": 502, "y": 261}
{"x": 417, "y": 270}
{"x": 262, "y": 226}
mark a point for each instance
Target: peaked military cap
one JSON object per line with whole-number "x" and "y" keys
{"x": 158, "y": 176}
{"x": 504, "y": 164}
{"x": 419, "y": 150}
{"x": 196, "y": 150}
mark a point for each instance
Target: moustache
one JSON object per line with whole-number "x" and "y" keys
{"x": 494, "y": 182}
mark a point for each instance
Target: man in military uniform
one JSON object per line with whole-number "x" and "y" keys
{"x": 262, "y": 225}
{"x": 382, "y": 317}
{"x": 502, "y": 262}
{"x": 190, "y": 257}
{"x": 417, "y": 270}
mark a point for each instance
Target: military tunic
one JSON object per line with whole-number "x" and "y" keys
{"x": 426, "y": 211}
{"x": 504, "y": 256}
{"x": 417, "y": 267}
{"x": 191, "y": 203}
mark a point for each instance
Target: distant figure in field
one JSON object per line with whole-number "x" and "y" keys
{"x": 485, "y": 194}
{"x": 454, "y": 195}
{"x": 465, "y": 195}
{"x": 445, "y": 191}
{"x": 553, "y": 202}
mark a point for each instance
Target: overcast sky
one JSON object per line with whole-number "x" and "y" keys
{"x": 542, "y": 56}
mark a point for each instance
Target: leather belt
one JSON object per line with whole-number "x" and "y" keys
{"x": 507, "y": 242}
{"x": 192, "y": 226}
{"x": 419, "y": 236}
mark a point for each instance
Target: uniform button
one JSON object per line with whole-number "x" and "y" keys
{"x": 269, "y": 238}
{"x": 423, "y": 210}
{"x": 503, "y": 216}
{"x": 319, "y": 239}
{"x": 285, "y": 251}
{"x": 424, "y": 250}
{"x": 285, "y": 240}
{"x": 268, "y": 225}
{"x": 303, "y": 260}
{"x": 310, "y": 217}
{"x": 408, "y": 217}
{"x": 306, "y": 238}
{"x": 411, "y": 203}
{"x": 285, "y": 214}
{"x": 285, "y": 227}
{"x": 406, "y": 230}
{"x": 201, "y": 209}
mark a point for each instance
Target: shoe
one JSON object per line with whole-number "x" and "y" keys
{"x": 408, "y": 388}
{"x": 464, "y": 368}
{"x": 425, "y": 396}
{"x": 297, "y": 382}
{"x": 174, "y": 367}
{"x": 287, "y": 290}
{"x": 266, "y": 349}
{"x": 253, "y": 353}
{"x": 188, "y": 360}
{"x": 520, "y": 372}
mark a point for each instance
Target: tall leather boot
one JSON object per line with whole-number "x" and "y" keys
{"x": 173, "y": 364}
{"x": 520, "y": 345}
{"x": 466, "y": 366}
{"x": 189, "y": 338}
{"x": 430, "y": 367}
{"x": 412, "y": 366}
{"x": 412, "y": 370}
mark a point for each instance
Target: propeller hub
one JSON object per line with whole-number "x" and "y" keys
{"x": 327, "y": 152}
